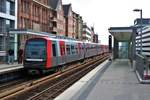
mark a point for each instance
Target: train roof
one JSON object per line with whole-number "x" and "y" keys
{"x": 66, "y": 40}
{"x": 59, "y": 39}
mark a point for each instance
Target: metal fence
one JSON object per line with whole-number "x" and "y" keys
{"x": 142, "y": 67}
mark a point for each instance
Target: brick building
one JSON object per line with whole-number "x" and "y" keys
{"x": 80, "y": 27}
{"x": 33, "y": 15}
{"x": 68, "y": 15}
{"x": 58, "y": 25}
{"x": 75, "y": 25}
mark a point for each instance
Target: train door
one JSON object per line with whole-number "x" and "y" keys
{"x": 87, "y": 50}
{"x": 80, "y": 50}
{"x": 68, "y": 52}
{"x": 54, "y": 53}
{"x": 97, "y": 49}
{"x": 62, "y": 52}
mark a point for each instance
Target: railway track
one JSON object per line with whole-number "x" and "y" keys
{"x": 21, "y": 81}
{"x": 51, "y": 86}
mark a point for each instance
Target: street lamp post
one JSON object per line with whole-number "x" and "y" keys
{"x": 141, "y": 24}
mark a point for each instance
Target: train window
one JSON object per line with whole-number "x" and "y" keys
{"x": 35, "y": 49}
{"x": 76, "y": 49}
{"x": 54, "y": 50}
{"x": 83, "y": 47}
{"x": 72, "y": 49}
{"x": 79, "y": 48}
{"x": 68, "y": 49}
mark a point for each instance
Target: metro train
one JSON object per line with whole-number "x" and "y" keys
{"x": 47, "y": 53}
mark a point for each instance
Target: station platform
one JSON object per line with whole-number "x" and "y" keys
{"x": 108, "y": 81}
{"x": 5, "y": 68}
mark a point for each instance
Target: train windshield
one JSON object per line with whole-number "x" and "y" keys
{"x": 35, "y": 49}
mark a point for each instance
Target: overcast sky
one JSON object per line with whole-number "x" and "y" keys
{"x": 109, "y": 13}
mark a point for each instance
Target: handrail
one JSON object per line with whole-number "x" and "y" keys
{"x": 140, "y": 55}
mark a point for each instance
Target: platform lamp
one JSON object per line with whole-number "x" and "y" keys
{"x": 141, "y": 24}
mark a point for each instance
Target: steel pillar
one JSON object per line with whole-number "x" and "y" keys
{"x": 116, "y": 47}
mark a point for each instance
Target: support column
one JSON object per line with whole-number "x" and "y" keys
{"x": 133, "y": 44}
{"x": 115, "y": 52}
{"x": 133, "y": 53}
{"x": 129, "y": 50}
{"x": 15, "y": 47}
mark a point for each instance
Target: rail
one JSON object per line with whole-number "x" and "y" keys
{"x": 142, "y": 68}
{"x": 31, "y": 89}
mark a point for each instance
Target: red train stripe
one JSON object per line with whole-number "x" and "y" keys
{"x": 62, "y": 48}
{"x": 48, "y": 62}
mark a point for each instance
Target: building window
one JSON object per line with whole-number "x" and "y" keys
{"x": 2, "y": 25}
{"x": 26, "y": 22}
{"x": 7, "y": 24}
{"x": 68, "y": 49}
{"x": 25, "y": 7}
{"x": 12, "y": 8}
{"x": 7, "y": 7}
{"x": 1, "y": 43}
{"x": 2, "y": 7}
{"x": 12, "y": 24}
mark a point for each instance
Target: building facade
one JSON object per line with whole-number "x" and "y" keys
{"x": 34, "y": 15}
{"x": 92, "y": 34}
{"x": 80, "y": 27}
{"x": 8, "y": 20}
{"x": 86, "y": 34}
{"x": 145, "y": 21}
{"x": 77, "y": 26}
{"x": 68, "y": 15}
{"x": 58, "y": 25}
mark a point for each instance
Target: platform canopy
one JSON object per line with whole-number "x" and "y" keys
{"x": 121, "y": 33}
{"x": 29, "y": 31}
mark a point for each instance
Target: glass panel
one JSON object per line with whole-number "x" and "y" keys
{"x": 2, "y": 25}
{"x": 2, "y": 6}
{"x": 7, "y": 7}
{"x": 12, "y": 8}
{"x": 73, "y": 49}
{"x": 1, "y": 43}
{"x": 54, "y": 50}
{"x": 12, "y": 24}
{"x": 68, "y": 49}
{"x": 35, "y": 49}
{"x": 123, "y": 50}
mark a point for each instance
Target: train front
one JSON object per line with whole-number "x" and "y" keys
{"x": 35, "y": 54}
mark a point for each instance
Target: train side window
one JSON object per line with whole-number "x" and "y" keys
{"x": 76, "y": 49}
{"x": 54, "y": 50}
{"x": 72, "y": 49}
{"x": 79, "y": 48}
{"x": 68, "y": 49}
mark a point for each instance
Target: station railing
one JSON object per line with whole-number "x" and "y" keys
{"x": 142, "y": 67}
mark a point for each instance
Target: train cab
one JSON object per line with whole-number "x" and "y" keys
{"x": 35, "y": 53}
